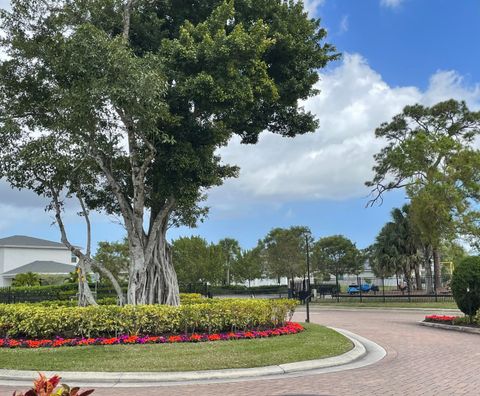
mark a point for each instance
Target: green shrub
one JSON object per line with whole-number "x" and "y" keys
{"x": 191, "y": 298}
{"x": 466, "y": 285}
{"x": 39, "y": 321}
{"x": 187, "y": 298}
{"x": 461, "y": 321}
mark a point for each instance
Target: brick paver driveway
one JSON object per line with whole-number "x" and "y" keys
{"x": 419, "y": 361}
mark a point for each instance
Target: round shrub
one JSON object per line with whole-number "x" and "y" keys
{"x": 466, "y": 285}
{"x": 37, "y": 321}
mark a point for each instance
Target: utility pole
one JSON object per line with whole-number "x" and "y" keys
{"x": 308, "y": 282}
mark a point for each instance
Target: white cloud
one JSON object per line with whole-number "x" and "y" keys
{"x": 332, "y": 163}
{"x": 344, "y": 24}
{"x": 312, "y": 5}
{"x": 445, "y": 85}
{"x": 11, "y": 214}
{"x": 391, "y": 3}
{"x": 336, "y": 160}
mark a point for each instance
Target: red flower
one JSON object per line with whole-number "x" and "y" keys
{"x": 195, "y": 337}
{"x": 287, "y": 328}
{"x": 440, "y": 318}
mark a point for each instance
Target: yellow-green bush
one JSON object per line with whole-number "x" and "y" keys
{"x": 36, "y": 321}
{"x": 191, "y": 298}
{"x": 185, "y": 298}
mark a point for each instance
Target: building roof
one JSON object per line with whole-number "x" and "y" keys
{"x": 26, "y": 241}
{"x": 41, "y": 267}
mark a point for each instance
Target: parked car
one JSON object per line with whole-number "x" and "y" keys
{"x": 353, "y": 289}
{"x": 365, "y": 287}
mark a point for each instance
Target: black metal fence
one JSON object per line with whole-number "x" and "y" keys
{"x": 392, "y": 289}
{"x": 12, "y": 295}
{"x": 235, "y": 290}
{"x": 348, "y": 289}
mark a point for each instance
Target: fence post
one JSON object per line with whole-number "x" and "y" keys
{"x": 359, "y": 281}
{"x": 383, "y": 288}
{"x": 337, "y": 287}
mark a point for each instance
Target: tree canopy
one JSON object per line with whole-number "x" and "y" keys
{"x": 231, "y": 252}
{"x": 430, "y": 152}
{"x": 248, "y": 266}
{"x": 398, "y": 248}
{"x": 197, "y": 261}
{"x": 284, "y": 251}
{"x": 336, "y": 255}
{"x": 115, "y": 257}
{"x": 134, "y": 98}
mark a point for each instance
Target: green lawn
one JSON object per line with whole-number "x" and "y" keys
{"x": 387, "y": 304}
{"x": 314, "y": 343}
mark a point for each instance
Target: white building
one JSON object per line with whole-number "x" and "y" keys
{"x": 21, "y": 254}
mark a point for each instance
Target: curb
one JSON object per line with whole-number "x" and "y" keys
{"x": 462, "y": 329}
{"x": 138, "y": 379}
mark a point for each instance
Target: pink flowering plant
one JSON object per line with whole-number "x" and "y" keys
{"x": 287, "y": 328}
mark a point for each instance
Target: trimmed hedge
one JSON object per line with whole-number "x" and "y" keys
{"x": 466, "y": 285}
{"x": 36, "y": 321}
{"x": 63, "y": 292}
{"x": 185, "y": 298}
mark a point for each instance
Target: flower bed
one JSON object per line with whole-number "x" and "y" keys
{"x": 445, "y": 319}
{"x": 31, "y": 321}
{"x": 288, "y": 328}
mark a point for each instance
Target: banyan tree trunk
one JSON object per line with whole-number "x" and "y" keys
{"x": 85, "y": 296}
{"x": 154, "y": 282}
{"x": 164, "y": 283}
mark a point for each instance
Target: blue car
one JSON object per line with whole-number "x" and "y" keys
{"x": 365, "y": 287}
{"x": 352, "y": 289}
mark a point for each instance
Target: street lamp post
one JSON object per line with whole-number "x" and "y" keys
{"x": 308, "y": 282}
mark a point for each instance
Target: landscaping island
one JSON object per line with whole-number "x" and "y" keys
{"x": 200, "y": 334}
{"x": 315, "y": 342}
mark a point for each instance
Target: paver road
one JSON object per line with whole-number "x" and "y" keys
{"x": 419, "y": 361}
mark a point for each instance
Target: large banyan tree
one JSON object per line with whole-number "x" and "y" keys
{"x": 124, "y": 104}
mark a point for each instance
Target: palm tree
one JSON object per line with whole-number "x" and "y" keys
{"x": 397, "y": 247}
{"x": 28, "y": 279}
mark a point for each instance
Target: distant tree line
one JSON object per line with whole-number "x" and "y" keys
{"x": 282, "y": 253}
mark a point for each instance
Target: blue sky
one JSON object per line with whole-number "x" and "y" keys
{"x": 410, "y": 40}
{"x": 395, "y": 53}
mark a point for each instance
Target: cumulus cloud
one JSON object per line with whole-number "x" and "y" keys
{"x": 335, "y": 161}
{"x": 391, "y": 3}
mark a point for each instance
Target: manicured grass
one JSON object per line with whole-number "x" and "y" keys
{"x": 314, "y": 343}
{"x": 387, "y": 304}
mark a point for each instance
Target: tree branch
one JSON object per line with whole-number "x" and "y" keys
{"x": 125, "y": 207}
{"x": 87, "y": 221}
{"x": 126, "y": 19}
